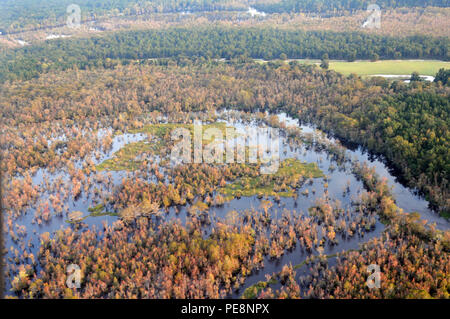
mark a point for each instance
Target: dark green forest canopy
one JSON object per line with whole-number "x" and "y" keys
{"x": 331, "y": 6}
{"x": 443, "y": 76}
{"x": 408, "y": 126}
{"x": 213, "y": 42}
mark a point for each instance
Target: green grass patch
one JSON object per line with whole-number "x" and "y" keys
{"x": 125, "y": 158}
{"x": 252, "y": 291}
{"x": 99, "y": 214}
{"x": 290, "y": 173}
{"x": 158, "y": 143}
{"x": 96, "y": 211}
{"x": 162, "y": 130}
{"x": 389, "y": 67}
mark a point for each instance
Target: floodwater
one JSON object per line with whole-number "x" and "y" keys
{"x": 405, "y": 77}
{"x": 343, "y": 186}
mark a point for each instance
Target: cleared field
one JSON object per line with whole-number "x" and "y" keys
{"x": 385, "y": 67}
{"x": 391, "y": 67}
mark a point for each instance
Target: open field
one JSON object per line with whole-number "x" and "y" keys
{"x": 391, "y": 67}
{"x": 385, "y": 67}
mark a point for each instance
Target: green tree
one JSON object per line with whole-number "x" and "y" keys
{"x": 442, "y": 76}
{"x": 325, "y": 64}
{"x": 415, "y": 77}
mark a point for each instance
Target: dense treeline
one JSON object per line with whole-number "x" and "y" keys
{"x": 327, "y": 6}
{"x": 442, "y": 76}
{"x": 214, "y": 42}
{"x": 409, "y": 127}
